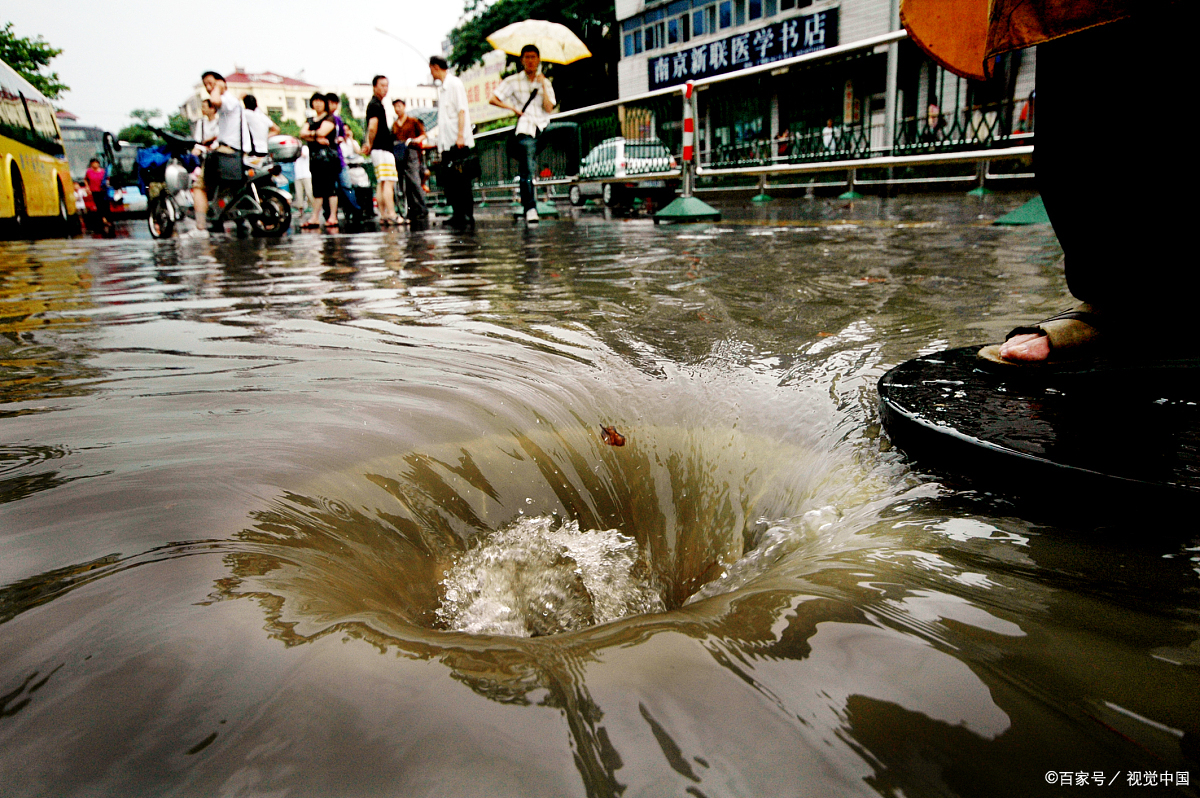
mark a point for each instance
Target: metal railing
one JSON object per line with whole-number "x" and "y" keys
{"x": 775, "y": 119}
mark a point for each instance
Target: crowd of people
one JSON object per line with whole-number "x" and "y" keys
{"x": 322, "y": 179}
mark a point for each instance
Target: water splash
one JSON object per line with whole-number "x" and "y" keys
{"x": 531, "y": 579}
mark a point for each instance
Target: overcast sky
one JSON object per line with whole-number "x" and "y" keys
{"x": 118, "y": 56}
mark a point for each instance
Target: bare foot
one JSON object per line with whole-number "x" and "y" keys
{"x": 1030, "y": 347}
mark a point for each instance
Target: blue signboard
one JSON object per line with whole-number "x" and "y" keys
{"x": 787, "y": 39}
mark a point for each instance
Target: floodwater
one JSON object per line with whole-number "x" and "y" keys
{"x": 335, "y": 516}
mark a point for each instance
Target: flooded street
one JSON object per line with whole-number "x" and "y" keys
{"x": 335, "y": 515}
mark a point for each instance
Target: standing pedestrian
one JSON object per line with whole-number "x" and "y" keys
{"x": 320, "y": 134}
{"x": 259, "y": 125}
{"x": 529, "y": 95}
{"x": 455, "y": 142}
{"x": 379, "y": 147}
{"x": 304, "y": 199}
{"x": 409, "y": 134}
{"x": 97, "y": 181}
{"x": 344, "y": 137}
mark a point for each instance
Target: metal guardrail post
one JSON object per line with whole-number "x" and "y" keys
{"x": 850, "y": 194}
{"x": 687, "y": 208}
{"x": 980, "y": 190}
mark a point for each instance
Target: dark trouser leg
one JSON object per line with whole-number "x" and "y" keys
{"x": 527, "y": 167}
{"x": 411, "y": 175}
{"x": 346, "y": 190}
{"x": 1107, "y": 99}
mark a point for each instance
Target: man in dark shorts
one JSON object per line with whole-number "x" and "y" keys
{"x": 410, "y": 135}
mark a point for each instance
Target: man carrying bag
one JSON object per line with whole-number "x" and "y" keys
{"x": 456, "y": 143}
{"x": 531, "y": 97}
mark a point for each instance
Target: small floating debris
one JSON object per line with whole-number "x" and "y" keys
{"x": 610, "y": 436}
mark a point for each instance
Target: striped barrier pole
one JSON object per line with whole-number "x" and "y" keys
{"x": 689, "y": 137}
{"x": 686, "y": 208}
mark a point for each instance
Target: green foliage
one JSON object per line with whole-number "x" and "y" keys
{"x": 346, "y": 112}
{"x": 30, "y": 57}
{"x": 180, "y": 125}
{"x": 286, "y": 126}
{"x": 356, "y": 128}
{"x": 587, "y": 82}
{"x": 136, "y": 134}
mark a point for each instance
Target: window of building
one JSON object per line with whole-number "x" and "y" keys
{"x": 725, "y": 13}
{"x": 755, "y": 10}
{"x": 654, "y": 37}
{"x": 291, "y": 103}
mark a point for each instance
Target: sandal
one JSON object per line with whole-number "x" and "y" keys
{"x": 309, "y": 226}
{"x": 1074, "y": 337}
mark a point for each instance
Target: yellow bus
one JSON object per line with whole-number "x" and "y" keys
{"x": 35, "y": 179}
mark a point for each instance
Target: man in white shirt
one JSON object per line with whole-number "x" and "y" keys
{"x": 232, "y": 137}
{"x": 259, "y": 125}
{"x": 531, "y": 97}
{"x": 455, "y": 141}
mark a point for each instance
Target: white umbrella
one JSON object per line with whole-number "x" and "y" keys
{"x": 557, "y": 43}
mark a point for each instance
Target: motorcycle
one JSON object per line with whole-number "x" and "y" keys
{"x": 254, "y": 200}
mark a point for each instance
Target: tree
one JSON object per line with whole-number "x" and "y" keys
{"x": 180, "y": 125}
{"x": 29, "y": 57}
{"x": 145, "y": 115}
{"x": 137, "y": 133}
{"x": 286, "y": 126}
{"x": 347, "y": 114}
{"x": 587, "y": 82}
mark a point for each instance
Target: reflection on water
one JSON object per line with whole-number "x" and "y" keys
{"x": 334, "y": 515}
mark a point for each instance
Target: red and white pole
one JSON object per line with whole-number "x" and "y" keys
{"x": 689, "y": 122}
{"x": 689, "y": 137}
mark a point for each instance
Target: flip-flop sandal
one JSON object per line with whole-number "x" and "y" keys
{"x": 1075, "y": 337}
{"x": 309, "y": 226}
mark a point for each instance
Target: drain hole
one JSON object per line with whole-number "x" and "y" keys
{"x": 537, "y": 578}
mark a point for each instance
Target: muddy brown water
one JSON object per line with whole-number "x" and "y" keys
{"x": 236, "y": 474}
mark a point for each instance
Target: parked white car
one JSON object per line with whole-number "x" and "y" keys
{"x": 617, "y": 158}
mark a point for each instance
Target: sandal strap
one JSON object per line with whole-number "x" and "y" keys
{"x": 1090, "y": 319}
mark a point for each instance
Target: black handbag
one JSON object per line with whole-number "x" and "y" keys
{"x": 229, "y": 166}
{"x": 462, "y": 162}
{"x": 325, "y": 156}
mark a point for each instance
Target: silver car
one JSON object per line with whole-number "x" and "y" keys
{"x": 610, "y": 169}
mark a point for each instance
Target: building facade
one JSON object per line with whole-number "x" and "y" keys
{"x": 834, "y": 105}
{"x": 289, "y": 96}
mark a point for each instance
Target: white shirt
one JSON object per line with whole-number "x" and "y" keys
{"x": 229, "y": 115}
{"x": 516, "y": 90}
{"x": 452, "y": 98}
{"x": 205, "y": 129}
{"x": 259, "y": 125}
{"x": 303, "y": 170}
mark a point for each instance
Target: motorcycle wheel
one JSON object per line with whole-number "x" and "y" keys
{"x": 161, "y": 219}
{"x": 276, "y": 217}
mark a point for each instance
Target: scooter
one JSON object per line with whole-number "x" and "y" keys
{"x": 254, "y": 200}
